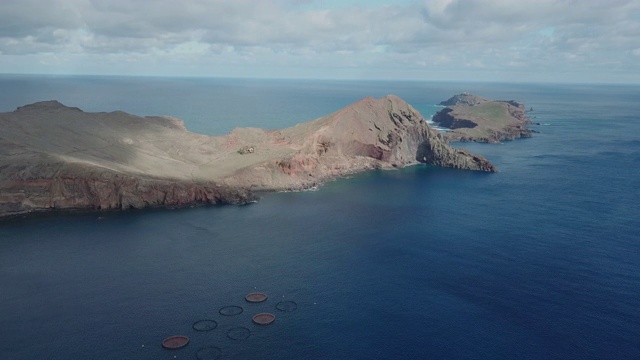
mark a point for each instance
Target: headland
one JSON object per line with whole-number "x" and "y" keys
{"x": 57, "y": 157}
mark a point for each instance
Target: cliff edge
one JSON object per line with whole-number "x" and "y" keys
{"x": 58, "y": 157}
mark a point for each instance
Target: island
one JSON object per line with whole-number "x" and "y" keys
{"x": 54, "y": 156}
{"x": 473, "y": 118}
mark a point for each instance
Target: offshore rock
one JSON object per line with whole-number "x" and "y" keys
{"x": 473, "y": 118}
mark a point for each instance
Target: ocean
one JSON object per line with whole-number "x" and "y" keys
{"x": 538, "y": 261}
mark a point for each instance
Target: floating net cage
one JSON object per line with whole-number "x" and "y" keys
{"x": 209, "y": 353}
{"x": 175, "y": 342}
{"x": 234, "y": 333}
{"x": 238, "y": 333}
{"x": 287, "y": 306}
{"x": 231, "y": 310}
{"x": 264, "y": 318}
{"x": 205, "y": 325}
{"x": 256, "y": 297}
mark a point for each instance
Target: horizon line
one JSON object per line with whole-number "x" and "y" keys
{"x": 337, "y": 79}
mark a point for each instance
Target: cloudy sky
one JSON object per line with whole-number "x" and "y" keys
{"x": 495, "y": 40}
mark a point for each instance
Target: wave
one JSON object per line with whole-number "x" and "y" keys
{"x": 434, "y": 125}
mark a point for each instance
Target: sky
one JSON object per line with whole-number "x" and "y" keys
{"x": 439, "y": 40}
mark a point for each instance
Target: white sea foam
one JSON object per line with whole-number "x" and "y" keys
{"x": 434, "y": 125}
{"x": 303, "y": 189}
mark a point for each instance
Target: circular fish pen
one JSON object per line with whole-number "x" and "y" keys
{"x": 238, "y": 333}
{"x": 256, "y": 297}
{"x": 231, "y": 310}
{"x": 175, "y": 342}
{"x": 264, "y": 318}
{"x": 205, "y": 325}
{"x": 287, "y": 306}
{"x": 209, "y": 353}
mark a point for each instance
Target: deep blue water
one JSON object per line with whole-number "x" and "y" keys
{"x": 538, "y": 261}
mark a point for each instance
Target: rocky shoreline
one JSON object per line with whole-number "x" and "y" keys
{"x": 54, "y": 157}
{"x": 473, "y": 118}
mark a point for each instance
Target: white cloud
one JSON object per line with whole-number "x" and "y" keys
{"x": 548, "y": 36}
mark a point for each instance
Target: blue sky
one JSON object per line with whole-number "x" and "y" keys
{"x": 468, "y": 40}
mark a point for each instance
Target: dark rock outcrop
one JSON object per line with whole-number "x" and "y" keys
{"x": 445, "y": 119}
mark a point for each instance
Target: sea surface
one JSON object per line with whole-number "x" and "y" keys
{"x": 538, "y": 261}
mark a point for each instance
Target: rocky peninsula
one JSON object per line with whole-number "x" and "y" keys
{"x": 473, "y": 118}
{"x": 57, "y": 157}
